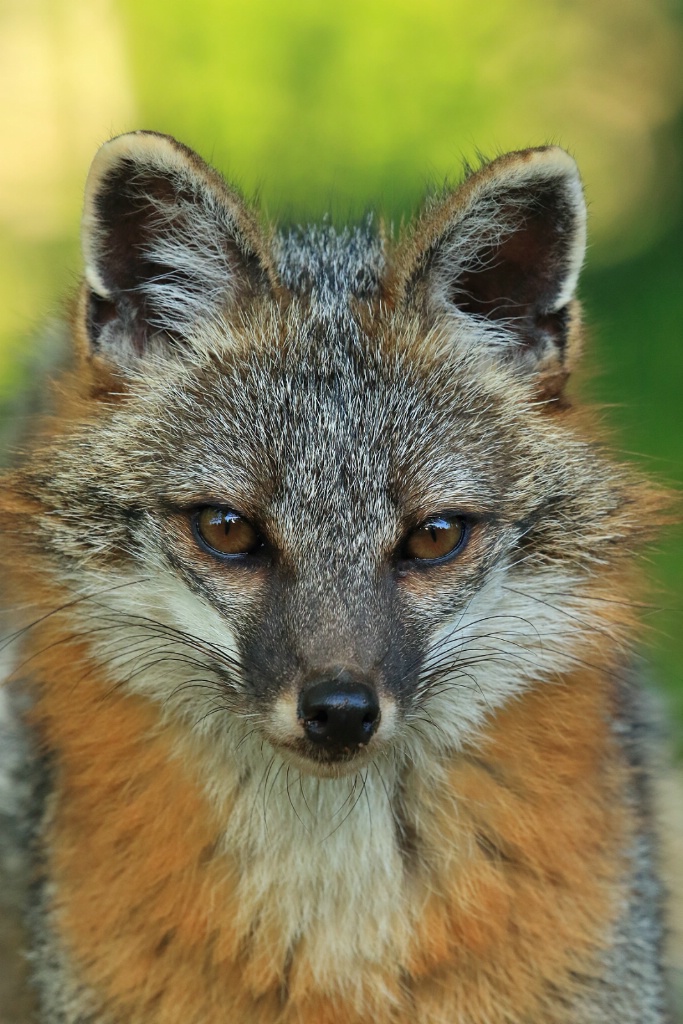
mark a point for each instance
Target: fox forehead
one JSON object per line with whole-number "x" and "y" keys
{"x": 329, "y": 395}
{"x": 317, "y": 407}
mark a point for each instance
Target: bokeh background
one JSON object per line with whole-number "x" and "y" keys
{"x": 344, "y": 107}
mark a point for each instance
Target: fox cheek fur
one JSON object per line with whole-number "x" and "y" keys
{"x": 331, "y": 593}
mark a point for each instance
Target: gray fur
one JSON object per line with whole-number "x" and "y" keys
{"x": 331, "y": 265}
{"x": 16, "y": 805}
{"x": 632, "y": 984}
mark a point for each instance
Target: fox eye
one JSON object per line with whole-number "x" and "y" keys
{"x": 224, "y": 532}
{"x": 435, "y": 538}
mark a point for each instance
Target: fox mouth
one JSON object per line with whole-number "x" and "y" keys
{"x": 329, "y": 762}
{"x": 332, "y": 753}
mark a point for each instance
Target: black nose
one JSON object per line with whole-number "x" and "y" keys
{"x": 339, "y": 711}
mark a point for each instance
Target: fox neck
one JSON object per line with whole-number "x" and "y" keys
{"x": 221, "y": 888}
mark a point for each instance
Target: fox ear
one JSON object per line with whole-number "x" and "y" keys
{"x": 503, "y": 252}
{"x": 165, "y": 243}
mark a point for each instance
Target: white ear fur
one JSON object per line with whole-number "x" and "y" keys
{"x": 568, "y": 173}
{"x": 165, "y": 243}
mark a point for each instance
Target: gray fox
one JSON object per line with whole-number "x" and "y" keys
{"x": 326, "y": 597}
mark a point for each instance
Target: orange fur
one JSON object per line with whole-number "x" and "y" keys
{"x": 539, "y": 812}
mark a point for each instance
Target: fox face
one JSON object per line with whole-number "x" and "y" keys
{"x": 336, "y": 501}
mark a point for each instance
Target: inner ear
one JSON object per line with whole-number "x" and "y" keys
{"x": 517, "y": 277}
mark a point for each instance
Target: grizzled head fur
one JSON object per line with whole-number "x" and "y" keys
{"x": 337, "y": 397}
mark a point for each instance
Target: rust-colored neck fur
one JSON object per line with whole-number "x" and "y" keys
{"x": 516, "y": 862}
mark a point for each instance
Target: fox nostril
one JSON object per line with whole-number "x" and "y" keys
{"x": 339, "y": 711}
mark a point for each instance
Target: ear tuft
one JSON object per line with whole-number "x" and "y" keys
{"x": 503, "y": 251}
{"x": 166, "y": 243}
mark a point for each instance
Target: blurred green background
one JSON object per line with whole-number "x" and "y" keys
{"x": 345, "y": 107}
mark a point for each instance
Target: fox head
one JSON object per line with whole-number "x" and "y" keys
{"x": 318, "y": 490}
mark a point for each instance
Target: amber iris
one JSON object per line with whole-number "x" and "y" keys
{"x": 435, "y": 538}
{"x": 226, "y": 532}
